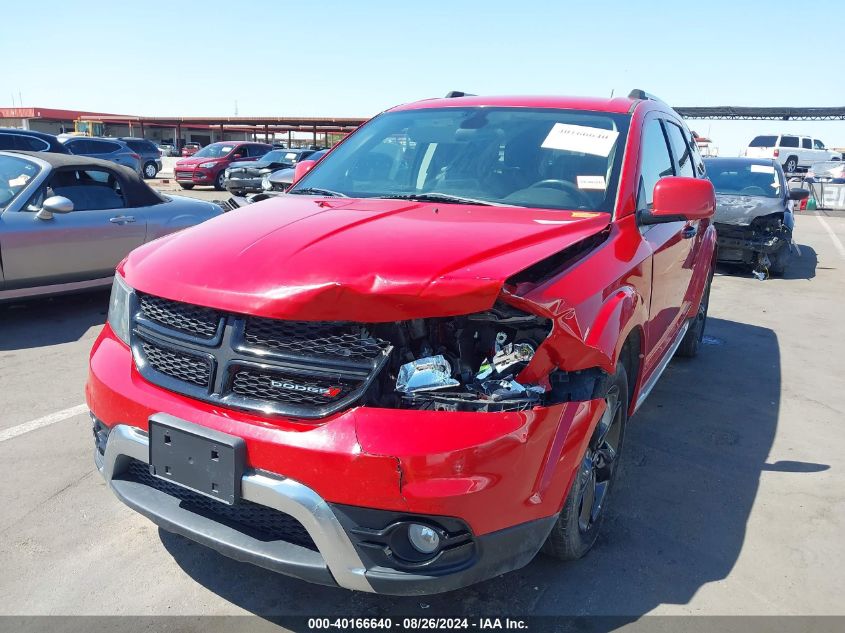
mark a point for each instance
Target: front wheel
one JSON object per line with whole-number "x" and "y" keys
{"x": 577, "y": 527}
{"x": 150, "y": 170}
{"x": 218, "y": 182}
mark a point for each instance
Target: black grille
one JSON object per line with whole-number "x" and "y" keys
{"x": 335, "y": 340}
{"x": 184, "y": 367}
{"x": 289, "y": 389}
{"x": 255, "y": 520}
{"x": 294, "y": 368}
{"x": 180, "y": 316}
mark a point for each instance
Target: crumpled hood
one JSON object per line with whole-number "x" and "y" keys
{"x": 741, "y": 210}
{"x": 299, "y": 257}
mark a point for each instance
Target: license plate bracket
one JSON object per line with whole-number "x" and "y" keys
{"x": 203, "y": 460}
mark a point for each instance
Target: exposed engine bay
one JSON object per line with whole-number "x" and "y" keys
{"x": 463, "y": 363}
{"x": 473, "y": 363}
{"x": 756, "y": 243}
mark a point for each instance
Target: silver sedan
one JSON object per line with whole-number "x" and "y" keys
{"x": 66, "y": 221}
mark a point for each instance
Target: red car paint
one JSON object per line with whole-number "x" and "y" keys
{"x": 301, "y": 258}
{"x": 187, "y": 170}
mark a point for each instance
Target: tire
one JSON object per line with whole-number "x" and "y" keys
{"x": 780, "y": 261}
{"x": 218, "y": 181}
{"x": 577, "y": 527}
{"x": 150, "y": 170}
{"x": 791, "y": 165}
{"x": 692, "y": 339}
{"x": 186, "y": 186}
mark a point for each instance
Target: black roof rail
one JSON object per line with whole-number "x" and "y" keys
{"x": 637, "y": 93}
{"x": 457, "y": 93}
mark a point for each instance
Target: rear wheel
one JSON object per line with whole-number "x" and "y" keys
{"x": 692, "y": 339}
{"x": 150, "y": 170}
{"x": 186, "y": 185}
{"x": 578, "y": 524}
{"x": 790, "y": 165}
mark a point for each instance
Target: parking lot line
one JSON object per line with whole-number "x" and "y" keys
{"x": 833, "y": 236}
{"x": 38, "y": 423}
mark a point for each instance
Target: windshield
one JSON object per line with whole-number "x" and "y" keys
{"x": 544, "y": 158}
{"x": 276, "y": 156}
{"x": 214, "y": 150}
{"x": 15, "y": 174}
{"x": 739, "y": 178}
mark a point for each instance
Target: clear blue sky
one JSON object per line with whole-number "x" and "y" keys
{"x": 340, "y": 58}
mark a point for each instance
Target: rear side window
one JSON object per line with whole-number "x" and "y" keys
{"x": 103, "y": 147}
{"x": 789, "y": 141}
{"x": 764, "y": 141}
{"x": 257, "y": 150}
{"x": 680, "y": 150}
{"x": 141, "y": 146}
{"x": 655, "y": 162}
{"x": 805, "y": 143}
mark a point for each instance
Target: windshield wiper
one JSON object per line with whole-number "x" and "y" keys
{"x": 440, "y": 197}
{"x": 316, "y": 191}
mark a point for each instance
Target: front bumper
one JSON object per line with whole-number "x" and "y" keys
{"x": 195, "y": 176}
{"x": 748, "y": 249}
{"x": 504, "y": 476}
{"x": 336, "y": 561}
{"x": 250, "y": 185}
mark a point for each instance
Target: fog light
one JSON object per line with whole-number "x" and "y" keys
{"x": 424, "y": 539}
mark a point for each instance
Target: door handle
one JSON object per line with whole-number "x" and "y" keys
{"x": 122, "y": 219}
{"x": 689, "y": 231}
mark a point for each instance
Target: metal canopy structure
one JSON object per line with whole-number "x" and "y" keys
{"x": 735, "y": 113}
{"x": 257, "y": 124}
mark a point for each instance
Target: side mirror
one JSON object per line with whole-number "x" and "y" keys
{"x": 302, "y": 168}
{"x": 54, "y": 204}
{"x": 236, "y": 156}
{"x": 798, "y": 194}
{"x": 680, "y": 198}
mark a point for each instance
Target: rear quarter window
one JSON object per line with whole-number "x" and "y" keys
{"x": 789, "y": 141}
{"x": 764, "y": 141}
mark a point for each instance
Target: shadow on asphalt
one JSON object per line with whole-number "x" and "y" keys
{"x": 51, "y": 321}
{"x": 801, "y": 266}
{"x": 690, "y": 474}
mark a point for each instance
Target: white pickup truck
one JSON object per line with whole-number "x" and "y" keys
{"x": 790, "y": 150}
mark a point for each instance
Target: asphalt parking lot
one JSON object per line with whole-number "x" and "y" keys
{"x": 731, "y": 501}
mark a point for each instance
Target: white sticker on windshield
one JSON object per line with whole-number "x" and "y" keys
{"x": 591, "y": 182}
{"x": 226, "y": 149}
{"x": 762, "y": 169}
{"x": 580, "y": 138}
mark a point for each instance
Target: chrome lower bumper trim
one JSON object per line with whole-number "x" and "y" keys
{"x": 285, "y": 495}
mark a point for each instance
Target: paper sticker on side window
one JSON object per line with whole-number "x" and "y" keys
{"x": 591, "y": 182}
{"x": 580, "y": 138}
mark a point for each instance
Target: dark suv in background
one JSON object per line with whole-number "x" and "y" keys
{"x": 29, "y": 141}
{"x": 149, "y": 153}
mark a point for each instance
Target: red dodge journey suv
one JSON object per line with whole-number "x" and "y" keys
{"x": 413, "y": 371}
